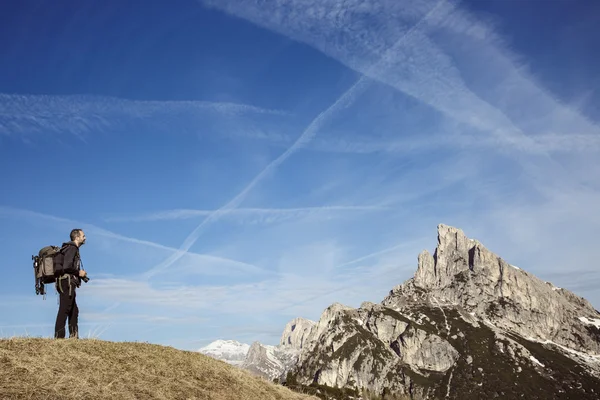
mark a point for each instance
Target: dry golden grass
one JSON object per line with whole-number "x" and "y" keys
{"x": 39, "y": 368}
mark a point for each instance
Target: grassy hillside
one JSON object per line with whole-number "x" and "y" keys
{"x": 36, "y": 368}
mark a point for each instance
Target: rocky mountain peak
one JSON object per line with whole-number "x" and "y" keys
{"x": 467, "y": 325}
{"x": 296, "y": 333}
{"x": 452, "y": 255}
{"x": 463, "y": 273}
{"x": 466, "y": 318}
{"x": 271, "y": 362}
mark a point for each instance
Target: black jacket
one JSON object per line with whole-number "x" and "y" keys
{"x": 71, "y": 260}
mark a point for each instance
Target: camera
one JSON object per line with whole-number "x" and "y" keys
{"x": 85, "y": 279}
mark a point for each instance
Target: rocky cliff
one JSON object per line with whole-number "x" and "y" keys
{"x": 267, "y": 361}
{"x": 468, "y": 325}
{"x": 463, "y": 273}
{"x": 273, "y": 362}
{"x": 296, "y": 333}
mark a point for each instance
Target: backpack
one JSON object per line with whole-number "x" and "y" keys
{"x": 47, "y": 265}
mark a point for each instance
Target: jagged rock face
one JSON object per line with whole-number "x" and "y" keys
{"x": 462, "y": 272}
{"x": 425, "y": 351}
{"x": 417, "y": 348}
{"x": 271, "y": 362}
{"x": 341, "y": 351}
{"x": 467, "y": 326}
{"x": 372, "y": 347}
{"x": 296, "y": 333}
{"x": 437, "y": 352}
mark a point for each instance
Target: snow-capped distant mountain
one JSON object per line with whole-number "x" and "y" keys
{"x": 230, "y": 351}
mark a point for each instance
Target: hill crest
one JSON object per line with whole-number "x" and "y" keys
{"x": 40, "y": 368}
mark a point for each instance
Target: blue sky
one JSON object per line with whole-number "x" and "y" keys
{"x": 236, "y": 164}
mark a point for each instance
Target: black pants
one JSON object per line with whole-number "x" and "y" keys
{"x": 67, "y": 310}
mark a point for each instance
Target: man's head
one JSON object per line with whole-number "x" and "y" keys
{"x": 78, "y": 237}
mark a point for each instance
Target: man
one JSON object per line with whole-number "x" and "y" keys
{"x": 67, "y": 280}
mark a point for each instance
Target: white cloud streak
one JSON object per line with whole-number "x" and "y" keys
{"x": 544, "y": 143}
{"x": 452, "y": 138}
{"x": 197, "y": 260}
{"x": 377, "y": 253}
{"x": 259, "y": 215}
{"x": 80, "y": 115}
{"x": 295, "y": 293}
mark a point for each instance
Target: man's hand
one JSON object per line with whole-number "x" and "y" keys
{"x": 82, "y": 273}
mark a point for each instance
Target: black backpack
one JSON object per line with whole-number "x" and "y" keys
{"x": 47, "y": 265}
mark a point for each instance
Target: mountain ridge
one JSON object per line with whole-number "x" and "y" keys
{"x": 467, "y": 325}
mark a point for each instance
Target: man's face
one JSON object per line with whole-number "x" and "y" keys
{"x": 82, "y": 237}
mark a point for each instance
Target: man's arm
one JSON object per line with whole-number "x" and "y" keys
{"x": 68, "y": 263}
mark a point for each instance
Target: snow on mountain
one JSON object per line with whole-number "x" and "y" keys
{"x": 230, "y": 351}
{"x": 591, "y": 321}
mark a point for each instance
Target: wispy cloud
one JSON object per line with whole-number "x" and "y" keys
{"x": 132, "y": 318}
{"x": 542, "y": 143}
{"x": 304, "y": 138}
{"x": 80, "y": 115}
{"x": 452, "y": 138}
{"x": 430, "y": 66}
{"x": 291, "y": 291}
{"x": 198, "y": 263}
{"x": 255, "y": 215}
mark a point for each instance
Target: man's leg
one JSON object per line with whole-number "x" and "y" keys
{"x": 64, "y": 309}
{"x": 73, "y": 318}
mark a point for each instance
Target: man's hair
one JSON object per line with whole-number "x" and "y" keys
{"x": 75, "y": 233}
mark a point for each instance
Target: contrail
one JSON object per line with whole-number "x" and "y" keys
{"x": 377, "y": 253}
{"x": 345, "y": 287}
{"x": 188, "y": 213}
{"x": 12, "y": 212}
{"x": 26, "y": 114}
{"x": 343, "y": 101}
